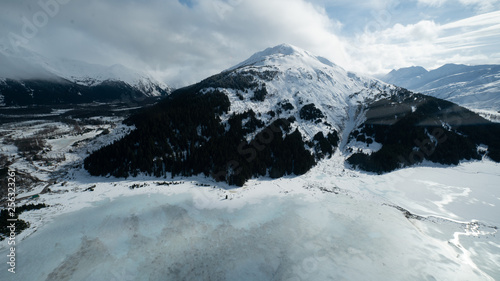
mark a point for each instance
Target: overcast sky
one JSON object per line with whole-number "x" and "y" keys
{"x": 184, "y": 41}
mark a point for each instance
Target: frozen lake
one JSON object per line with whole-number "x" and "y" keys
{"x": 286, "y": 229}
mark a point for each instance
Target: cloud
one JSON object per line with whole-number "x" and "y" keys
{"x": 181, "y": 43}
{"x": 432, "y": 3}
{"x": 481, "y": 6}
{"x": 474, "y": 40}
{"x": 422, "y": 31}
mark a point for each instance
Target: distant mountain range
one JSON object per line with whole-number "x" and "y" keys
{"x": 283, "y": 110}
{"x": 474, "y": 87}
{"x": 27, "y": 78}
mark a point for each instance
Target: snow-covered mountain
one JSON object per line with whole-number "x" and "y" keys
{"x": 475, "y": 87}
{"x": 288, "y": 74}
{"x": 18, "y": 69}
{"x": 284, "y": 96}
{"x": 283, "y": 110}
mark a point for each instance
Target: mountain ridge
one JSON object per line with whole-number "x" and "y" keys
{"x": 20, "y": 69}
{"x": 280, "y": 113}
{"x": 475, "y": 87}
{"x": 275, "y": 114}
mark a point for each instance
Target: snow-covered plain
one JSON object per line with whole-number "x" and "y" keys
{"x": 330, "y": 224}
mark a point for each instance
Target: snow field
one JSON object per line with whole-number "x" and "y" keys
{"x": 286, "y": 229}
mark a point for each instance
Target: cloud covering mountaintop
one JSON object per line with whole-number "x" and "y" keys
{"x": 180, "y": 42}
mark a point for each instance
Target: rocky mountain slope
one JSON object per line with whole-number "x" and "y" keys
{"x": 279, "y": 113}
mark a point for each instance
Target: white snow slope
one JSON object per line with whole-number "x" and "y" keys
{"x": 26, "y": 64}
{"x": 302, "y": 78}
{"x": 475, "y": 87}
{"x": 325, "y": 225}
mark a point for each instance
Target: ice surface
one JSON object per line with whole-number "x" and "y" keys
{"x": 335, "y": 226}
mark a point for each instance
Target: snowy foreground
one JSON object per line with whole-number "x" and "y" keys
{"x": 330, "y": 224}
{"x": 423, "y": 223}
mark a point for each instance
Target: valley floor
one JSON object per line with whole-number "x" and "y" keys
{"x": 423, "y": 223}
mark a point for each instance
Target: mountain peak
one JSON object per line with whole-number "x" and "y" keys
{"x": 280, "y": 53}
{"x": 411, "y": 69}
{"x": 405, "y": 77}
{"x": 474, "y": 87}
{"x": 450, "y": 67}
{"x": 283, "y": 49}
